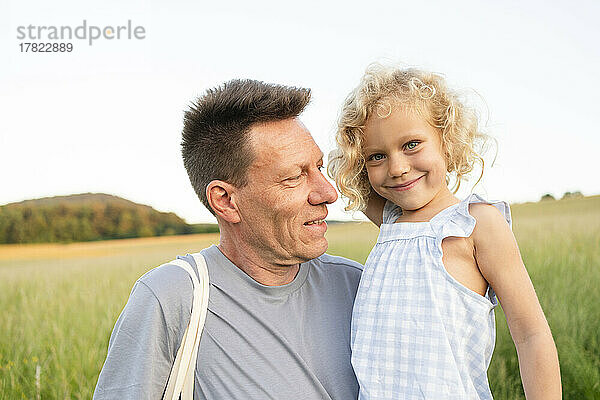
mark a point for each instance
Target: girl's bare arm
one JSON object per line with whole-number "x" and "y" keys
{"x": 499, "y": 261}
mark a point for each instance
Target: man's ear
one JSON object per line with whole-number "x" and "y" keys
{"x": 219, "y": 195}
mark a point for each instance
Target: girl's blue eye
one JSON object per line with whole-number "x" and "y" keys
{"x": 376, "y": 157}
{"x": 411, "y": 145}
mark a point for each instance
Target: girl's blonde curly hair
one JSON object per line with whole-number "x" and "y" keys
{"x": 426, "y": 93}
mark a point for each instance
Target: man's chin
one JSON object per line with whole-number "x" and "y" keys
{"x": 314, "y": 250}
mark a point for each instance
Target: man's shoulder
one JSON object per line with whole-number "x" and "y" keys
{"x": 337, "y": 264}
{"x": 336, "y": 279}
{"x": 168, "y": 282}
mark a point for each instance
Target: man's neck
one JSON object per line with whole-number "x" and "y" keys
{"x": 265, "y": 273}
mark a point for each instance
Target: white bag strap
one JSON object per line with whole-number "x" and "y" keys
{"x": 181, "y": 379}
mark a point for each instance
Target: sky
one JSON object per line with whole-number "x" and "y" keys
{"x": 107, "y": 117}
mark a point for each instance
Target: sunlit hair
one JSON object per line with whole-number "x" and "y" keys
{"x": 425, "y": 93}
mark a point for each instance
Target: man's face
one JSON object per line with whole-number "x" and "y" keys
{"x": 284, "y": 203}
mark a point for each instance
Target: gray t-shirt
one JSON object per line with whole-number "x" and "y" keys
{"x": 259, "y": 342}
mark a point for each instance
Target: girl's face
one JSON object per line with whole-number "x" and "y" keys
{"x": 404, "y": 160}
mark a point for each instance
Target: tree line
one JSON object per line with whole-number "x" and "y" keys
{"x": 65, "y": 222}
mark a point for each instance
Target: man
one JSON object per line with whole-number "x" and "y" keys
{"x": 278, "y": 323}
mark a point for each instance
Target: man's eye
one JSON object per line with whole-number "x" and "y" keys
{"x": 411, "y": 145}
{"x": 376, "y": 157}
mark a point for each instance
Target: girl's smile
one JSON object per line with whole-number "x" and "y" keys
{"x": 406, "y": 186}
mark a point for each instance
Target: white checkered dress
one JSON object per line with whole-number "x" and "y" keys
{"x": 416, "y": 332}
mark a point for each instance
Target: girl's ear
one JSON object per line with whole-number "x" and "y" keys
{"x": 221, "y": 197}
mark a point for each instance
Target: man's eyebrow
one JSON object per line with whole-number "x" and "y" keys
{"x": 307, "y": 164}
{"x": 289, "y": 170}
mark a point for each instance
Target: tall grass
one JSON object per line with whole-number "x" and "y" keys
{"x": 560, "y": 245}
{"x": 59, "y": 302}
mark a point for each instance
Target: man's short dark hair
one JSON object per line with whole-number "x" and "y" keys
{"x": 215, "y": 141}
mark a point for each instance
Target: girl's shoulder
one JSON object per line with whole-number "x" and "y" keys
{"x": 487, "y": 210}
{"x": 460, "y": 220}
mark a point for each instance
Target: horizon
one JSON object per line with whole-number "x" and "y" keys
{"x": 543, "y": 198}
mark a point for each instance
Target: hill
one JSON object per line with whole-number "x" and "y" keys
{"x": 87, "y": 216}
{"x": 77, "y": 200}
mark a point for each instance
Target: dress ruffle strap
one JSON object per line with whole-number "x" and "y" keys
{"x": 460, "y": 222}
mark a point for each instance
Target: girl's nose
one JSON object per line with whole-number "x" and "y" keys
{"x": 398, "y": 166}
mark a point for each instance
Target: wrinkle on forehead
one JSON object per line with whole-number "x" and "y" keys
{"x": 286, "y": 141}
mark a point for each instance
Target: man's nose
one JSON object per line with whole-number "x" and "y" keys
{"x": 398, "y": 166}
{"x": 322, "y": 191}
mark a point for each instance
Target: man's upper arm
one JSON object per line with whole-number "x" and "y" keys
{"x": 139, "y": 353}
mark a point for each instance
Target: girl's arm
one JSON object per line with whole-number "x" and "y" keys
{"x": 500, "y": 263}
{"x": 374, "y": 210}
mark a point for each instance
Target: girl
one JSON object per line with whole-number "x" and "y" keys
{"x": 423, "y": 320}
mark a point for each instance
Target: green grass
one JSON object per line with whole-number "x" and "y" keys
{"x": 560, "y": 245}
{"x": 59, "y": 302}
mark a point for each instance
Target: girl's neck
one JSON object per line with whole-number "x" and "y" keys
{"x": 441, "y": 201}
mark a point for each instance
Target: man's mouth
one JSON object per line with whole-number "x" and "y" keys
{"x": 315, "y": 222}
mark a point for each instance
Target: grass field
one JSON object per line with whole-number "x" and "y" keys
{"x": 59, "y": 302}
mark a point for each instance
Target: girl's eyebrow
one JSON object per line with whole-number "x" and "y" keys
{"x": 411, "y": 134}
{"x": 367, "y": 149}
